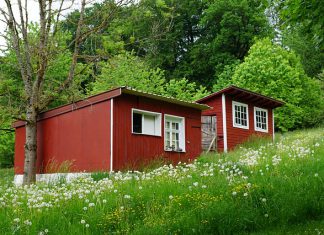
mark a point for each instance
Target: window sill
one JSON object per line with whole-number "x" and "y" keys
{"x": 146, "y": 134}
{"x": 261, "y": 130}
{"x": 241, "y": 127}
{"x": 176, "y": 151}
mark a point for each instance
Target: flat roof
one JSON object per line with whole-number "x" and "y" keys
{"x": 109, "y": 95}
{"x": 246, "y": 95}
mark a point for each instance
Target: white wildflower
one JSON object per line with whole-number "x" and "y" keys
{"x": 28, "y": 222}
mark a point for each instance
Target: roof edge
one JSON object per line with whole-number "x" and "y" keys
{"x": 191, "y": 104}
{"x": 224, "y": 90}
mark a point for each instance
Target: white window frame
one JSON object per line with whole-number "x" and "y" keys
{"x": 235, "y": 103}
{"x": 158, "y": 121}
{"x": 255, "y": 122}
{"x": 182, "y": 134}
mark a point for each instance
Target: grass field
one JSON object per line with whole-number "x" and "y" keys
{"x": 260, "y": 188}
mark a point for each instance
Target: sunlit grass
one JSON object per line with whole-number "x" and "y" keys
{"x": 261, "y": 188}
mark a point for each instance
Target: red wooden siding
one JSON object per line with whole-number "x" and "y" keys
{"x": 133, "y": 150}
{"x": 237, "y": 135}
{"x": 20, "y": 137}
{"x": 81, "y": 137}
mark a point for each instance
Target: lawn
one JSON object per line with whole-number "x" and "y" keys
{"x": 260, "y": 188}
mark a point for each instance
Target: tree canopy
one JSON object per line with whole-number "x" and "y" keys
{"x": 271, "y": 70}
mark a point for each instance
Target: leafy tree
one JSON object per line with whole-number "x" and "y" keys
{"x": 10, "y": 105}
{"x": 177, "y": 35}
{"x": 307, "y": 14}
{"x": 184, "y": 90}
{"x": 306, "y": 48}
{"x": 227, "y": 30}
{"x": 129, "y": 70}
{"x": 300, "y": 23}
{"x": 271, "y": 70}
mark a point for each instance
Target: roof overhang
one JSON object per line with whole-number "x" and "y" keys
{"x": 247, "y": 96}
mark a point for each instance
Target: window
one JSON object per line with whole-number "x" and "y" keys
{"x": 260, "y": 119}
{"x": 145, "y": 122}
{"x": 174, "y": 134}
{"x": 240, "y": 115}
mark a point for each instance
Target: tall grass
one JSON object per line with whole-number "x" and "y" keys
{"x": 258, "y": 188}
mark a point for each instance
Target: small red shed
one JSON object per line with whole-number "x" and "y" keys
{"x": 118, "y": 129}
{"x": 235, "y": 115}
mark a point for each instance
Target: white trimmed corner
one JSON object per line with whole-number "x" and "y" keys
{"x": 224, "y": 122}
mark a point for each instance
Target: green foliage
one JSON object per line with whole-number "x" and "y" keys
{"x": 228, "y": 29}
{"x": 13, "y": 98}
{"x": 177, "y": 36}
{"x": 184, "y": 90}
{"x": 271, "y": 70}
{"x": 10, "y": 105}
{"x": 311, "y": 55}
{"x": 301, "y": 22}
{"x": 225, "y": 78}
{"x": 307, "y": 14}
{"x": 263, "y": 186}
{"x": 129, "y": 70}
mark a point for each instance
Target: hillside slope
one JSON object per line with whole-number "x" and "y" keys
{"x": 258, "y": 188}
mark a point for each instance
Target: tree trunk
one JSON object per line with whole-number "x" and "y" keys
{"x": 30, "y": 146}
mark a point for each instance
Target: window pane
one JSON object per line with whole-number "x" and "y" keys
{"x": 167, "y": 144}
{"x": 176, "y": 145}
{"x": 148, "y": 127}
{"x": 137, "y": 123}
{"x": 167, "y": 125}
{"x": 167, "y": 135}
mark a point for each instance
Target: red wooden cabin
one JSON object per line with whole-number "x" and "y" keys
{"x": 236, "y": 114}
{"x": 118, "y": 129}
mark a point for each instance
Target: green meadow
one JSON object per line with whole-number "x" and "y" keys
{"x": 262, "y": 187}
